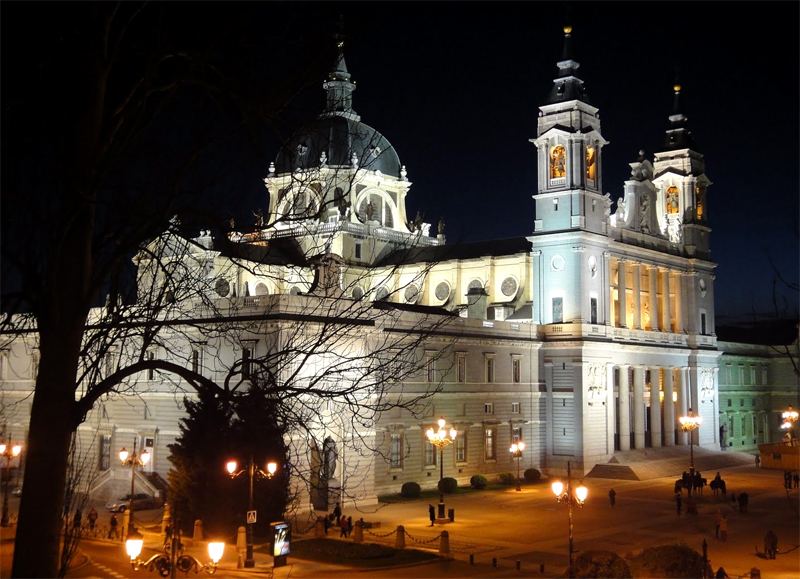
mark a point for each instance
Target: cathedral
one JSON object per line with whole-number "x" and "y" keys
{"x": 591, "y": 335}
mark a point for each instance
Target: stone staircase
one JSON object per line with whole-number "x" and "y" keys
{"x": 669, "y": 461}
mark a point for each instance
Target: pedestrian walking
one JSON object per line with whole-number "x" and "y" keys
{"x": 723, "y": 527}
{"x": 343, "y": 526}
{"x": 337, "y": 512}
{"x": 796, "y": 479}
{"x": 770, "y": 544}
{"x": 612, "y": 497}
{"x": 679, "y": 502}
{"x": 113, "y": 533}
{"x": 92, "y": 518}
{"x": 77, "y": 521}
{"x": 431, "y": 513}
{"x": 349, "y": 526}
{"x": 758, "y": 460}
{"x": 733, "y": 500}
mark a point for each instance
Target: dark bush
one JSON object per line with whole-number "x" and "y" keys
{"x": 668, "y": 561}
{"x": 478, "y": 481}
{"x": 508, "y": 478}
{"x": 448, "y": 485}
{"x": 601, "y": 565}
{"x": 410, "y": 490}
{"x": 532, "y": 475}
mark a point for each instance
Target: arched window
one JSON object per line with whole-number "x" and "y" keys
{"x": 261, "y": 289}
{"x": 329, "y": 457}
{"x": 558, "y": 162}
{"x": 591, "y": 165}
{"x": 374, "y": 207}
{"x": 299, "y": 205}
{"x": 672, "y": 200}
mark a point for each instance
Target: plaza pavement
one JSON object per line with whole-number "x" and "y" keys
{"x": 530, "y": 527}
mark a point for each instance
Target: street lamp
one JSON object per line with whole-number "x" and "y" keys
{"x": 570, "y": 497}
{"x": 789, "y": 418}
{"x": 9, "y": 452}
{"x": 133, "y": 461}
{"x": 439, "y": 440}
{"x": 690, "y": 423}
{"x": 516, "y": 450}
{"x": 253, "y": 471}
{"x": 167, "y": 564}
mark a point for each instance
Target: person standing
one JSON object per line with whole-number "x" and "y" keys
{"x": 758, "y": 460}
{"x": 796, "y": 479}
{"x": 679, "y": 502}
{"x": 612, "y": 497}
{"x": 431, "y": 513}
{"x": 349, "y": 526}
{"x": 337, "y": 512}
{"x": 717, "y": 523}
{"x": 723, "y": 527}
{"x": 112, "y": 532}
{"x": 92, "y": 517}
{"x": 78, "y": 520}
{"x": 343, "y": 526}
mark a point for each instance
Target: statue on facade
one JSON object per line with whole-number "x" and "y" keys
{"x": 440, "y": 228}
{"x": 259, "y": 215}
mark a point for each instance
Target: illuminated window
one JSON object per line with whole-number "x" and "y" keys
{"x": 489, "y": 444}
{"x": 590, "y": 163}
{"x": 461, "y": 446}
{"x": 105, "y": 452}
{"x": 558, "y": 162}
{"x": 395, "y": 455}
{"x": 430, "y": 454}
{"x": 672, "y": 200}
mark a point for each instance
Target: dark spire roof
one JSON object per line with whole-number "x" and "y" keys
{"x": 678, "y": 135}
{"x": 339, "y": 87}
{"x": 567, "y": 86}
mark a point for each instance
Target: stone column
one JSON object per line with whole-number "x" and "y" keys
{"x": 607, "y": 289}
{"x": 667, "y": 325}
{"x": 669, "y": 409}
{"x": 624, "y": 409}
{"x": 537, "y": 286}
{"x": 653, "y": 271}
{"x": 638, "y": 407}
{"x": 637, "y": 295}
{"x": 623, "y": 310}
{"x": 683, "y": 401}
{"x": 655, "y": 409}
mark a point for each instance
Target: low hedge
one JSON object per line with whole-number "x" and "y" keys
{"x": 478, "y": 481}
{"x": 410, "y": 490}
{"x": 508, "y": 478}
{"x": 448, "y": 485}
{"x": 532, "y": 475}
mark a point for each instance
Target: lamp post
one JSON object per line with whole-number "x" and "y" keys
{"x": 516, "y": 450}
{"x": 9, "y": 452}
{"x": 166, "y": 564}
{"x": 439, "y": 439}
{"x": 133, "y": 461}
{"x": 570, "y": 497}
{"x": 689, "y": 423}
{"x": 789, "y": 418}
{"x": 252, "y": 471}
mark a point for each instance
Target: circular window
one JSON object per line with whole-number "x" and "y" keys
{"x": 509, "y": 287}
{"x": 475, "y": 284}
{"x": 442, "y": 291}
{"x": 261, "y": 289}
{"x": 222, "y": 287}
{"x": 358, "y": 293}
{"x": 381, "y": 294}
{"x": 294, "y": 290}
{"x": 412, "y": 293}
{"x": 702, "y": 285}
{"x": 557, "y": 263}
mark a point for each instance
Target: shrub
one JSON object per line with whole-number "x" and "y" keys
{"x": 601, "y": 564}
{"x": 478, "y": 481}
{"x": 508, "y": 478}
{"x": 532, "y": 475}
{"x": 448, "y": 485}
{"x": 410, "y": 490}
{"x": 668, "y": 561}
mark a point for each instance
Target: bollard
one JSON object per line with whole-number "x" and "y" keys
{"x": 358, "y": 532}
{"x": 444, "y": 545}
{"x": 319, "y": 528}
{"x": 198, "y": 530}
{"x": 166, "y": 520}
{"x": 241, "y": 543}
{"x": 471, "y": 559}
{"x": 755, "y": 573}
{"x": 519, "y": 564}
{"x": 541, "y": 568}
{"x": 126, "y": 521}
{"x": 240, "y": 561}
{"x": 494, "y": 561}
{"x": 400, "y": 539}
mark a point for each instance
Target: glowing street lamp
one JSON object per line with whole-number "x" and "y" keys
{"x": 789, "y": 418}
{"x": 689, "y": 423}
{"x": 252, "y": 471}
{"x": 166, "y": 564}
{"x": 8, "y": 451}
{"x": 516, "y": 451}
{"x": 570, "y": 497}
{"x": 439, "y": 439}
{"x": 133, "y": 461}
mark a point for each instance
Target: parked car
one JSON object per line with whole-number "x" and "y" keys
{"x": 141, "y": 502}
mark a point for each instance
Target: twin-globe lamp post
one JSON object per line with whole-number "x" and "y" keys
{"x": 789, "y": 418}
{"x": 167, "y": 564}
{"x": 516, "y": 451}
{"x": 439, "y": 439}
{"x": 252, "y": 471}
{"x": 689, "y": 423}
{"x": 8, "y": 451}
{"x": 133, "y": 461}
{"x": 570, "y": 497}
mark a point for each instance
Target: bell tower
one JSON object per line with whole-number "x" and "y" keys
{"x": 569, "y": 147}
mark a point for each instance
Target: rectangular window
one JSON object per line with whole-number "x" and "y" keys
{"x": 741, "y": 401}
{"x": 395, "y": 456}
{"x": 151, "y": 373}
{"x": 148, "y": 412}
{"x": 515, "y": 408}
{"x": 358, "y": 251}
{"x": 488, "y": 408}
{"x": 516, "y": 435}
{"x": 515, "y": 369}
{"x": 430, "y": 370}
{"x": 430, "y": 454}
{"x": 729, "y": 402}
{"x": 461, "y": 363}
{"x": 593, "y": 310}
{"x": 743, "y": 433}
{"x": 555, "y": 204}
{"x": 490, "y": 369}
{"x": 105, "y": 452}
{"x": 703, "y": 324}
{"x": 489, "y": 444}
{"x": 247, "y": 355}
{"x": 558, "y": 310}
{"x": 197, "y": 361}
{"x": 461, "y": 446}
{"x": 108, "y": 365}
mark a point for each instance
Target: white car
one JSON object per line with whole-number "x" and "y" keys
{"x": 141, "y": 502}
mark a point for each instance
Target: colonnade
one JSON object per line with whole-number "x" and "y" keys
{"x": 631, "y": 419}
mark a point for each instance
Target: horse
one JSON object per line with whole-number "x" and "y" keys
{"x": 718, "y": 486}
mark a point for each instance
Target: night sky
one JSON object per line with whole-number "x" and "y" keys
{"x": 455, "y": 87}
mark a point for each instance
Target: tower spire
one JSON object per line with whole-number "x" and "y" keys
{"x": 678, "y": 135}
{"x": 567, "y": 86}
{"x": 338, "y": 85}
